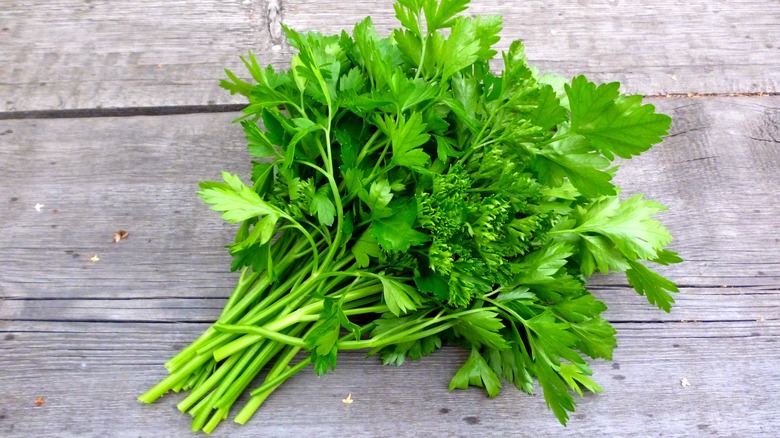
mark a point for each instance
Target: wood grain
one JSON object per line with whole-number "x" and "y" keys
{"x": 68, "y": 54}
{"x": 657, "y": 47}
{"x": 74, "y": 54}
{"x": 693, "y": 304}
{"x": 731, "y": 368}
{"x": 89, "y": 336}
{"x": 716, "y": 172}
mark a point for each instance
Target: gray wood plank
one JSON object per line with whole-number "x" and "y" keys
{"x": 652, "y": 47}
{"x": 69, "y": 54}
{"x": 90, "y": 374}
{"x": 72, "y": 331}
{"x": 96, "y": 176}
{"x": 693, "y": 304}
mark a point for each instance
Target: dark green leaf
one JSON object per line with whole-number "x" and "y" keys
{"x": 322, "y": 205}
{"x": 396, "y": 233}
{"x": 365, "y": 247}
{"x": 400, "y": 297}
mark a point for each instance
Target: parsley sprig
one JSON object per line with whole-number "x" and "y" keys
{"x": 404, "y": 196}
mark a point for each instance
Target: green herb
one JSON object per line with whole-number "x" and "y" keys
{"x": 405, "y": 196}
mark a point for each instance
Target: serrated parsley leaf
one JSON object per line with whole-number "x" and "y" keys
{"x": 549, "y": 112}
{"x": 321, "y": 340}
{"x": 400, "y": 297}
{"x": 366, "y": 246}
{"x": 652, "y": 285}
{"x": 377, "y": 197}
{"x": 397, "y": 354}
{"x": 396, "y": 233}
{"x": 322, "y": 205}
{"x": 600, "y": 253}
{"x": 406, "y": 136}
{"x": 572, "y": 158}
{"x": 628, "y": 224}
{"x": 439, "y": 14}
{"x": 614, "y": 124}
{"x": 666, "y": 258}
{"x": 460, "y": 50}
{"x": 476, "y": 372}
{"x": 577, "y": 377}
{"x": 542, "y": 265}
{"x": 234, "y": 200}
{"x": 596, "y": 337}
{"x": 257, "y": 143}
{"x": 482, "y": 328}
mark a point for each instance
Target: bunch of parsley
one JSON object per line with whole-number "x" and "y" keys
{"x": 405, "y": 196}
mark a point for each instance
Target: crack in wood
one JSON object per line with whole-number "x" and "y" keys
{"x": 767, "y": 140}
{"x": 121, "y": 112}
{"x": 115, "y": 321}
{"x": 274, "y": 11}
{"x": 686, "y": 131}
{"x": 701, "y": 95}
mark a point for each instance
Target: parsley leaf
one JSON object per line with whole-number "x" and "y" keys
{"x": 476, "y": 372}
{"x": 405, "y": 196}
{"x": 407, "y": 136}
{"x": 236, "y": 201}
{"x": 648, "y": 283}
{"x": 614, "y": 124}
{"x": 396, "y": 233}
{"x": 400, "y": 297}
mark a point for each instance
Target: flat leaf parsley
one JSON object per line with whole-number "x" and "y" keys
{"x": 404, "y": 196}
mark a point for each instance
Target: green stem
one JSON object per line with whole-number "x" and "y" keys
{"x": 254, "y": 403}
{"x": 244, "y": 283}
{"x": 260, "y": 331}
{"x": 366, "y": 149}
{"x": 200, "y": 413}
{"x": 202, "y": 389}
{"x": 169, "y": 382}
{"x": 287, "y": 320}
{"x": 215, "y": 419}
{"x": 407, "y": 334}
{"x": 261, "y": 359}
{"x": 278, "y": 380}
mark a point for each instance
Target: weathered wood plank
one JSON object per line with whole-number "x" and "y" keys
{"x": 69, "y": 54}
{"x": 90, "y": 374}
{"x": 693, "y": 304}
{"x": 96, "y": 176}
{"x": 655, "y": 47}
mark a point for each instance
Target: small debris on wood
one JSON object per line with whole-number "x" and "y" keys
{"x": 39, "y": 206}
{"x": 94, "y": 258}
{"x": 119, "y": 235}
{"x": 761, "y": 319}
{"x": 348, "y": 401}
{"x": 39, "y": 401}
{"x": 684, "y": 382}
{"x": 55, "y": 211}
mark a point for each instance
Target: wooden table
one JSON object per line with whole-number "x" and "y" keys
{"x": 110, "y": 114}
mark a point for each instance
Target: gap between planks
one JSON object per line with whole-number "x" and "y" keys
{"x": 85, "y": 113}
